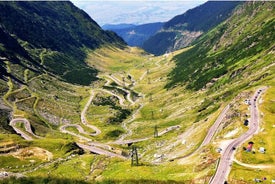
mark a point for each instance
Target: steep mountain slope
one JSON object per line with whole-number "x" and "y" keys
{"x": 48, "y": 39}
{"x": 180, "y": 31}
{"x": 135, "y": 35}
{"x": 231, "y": 51}
{"x": 134, "y": 103}
{"x": 58, "y": 32}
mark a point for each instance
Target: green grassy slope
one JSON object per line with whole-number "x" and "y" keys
{"x": 181, "y": 30}
{"x": 259, "y": 165}
{"x": 50, "y": 37}
{"x": 230, "y": 52}
{"x": 160, "y": 102}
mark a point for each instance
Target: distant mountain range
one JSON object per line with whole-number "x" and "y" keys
{"x": 117, "y": 26}
{"x": 183, "y": 29}
{"x": 53, "y": 105}
{"x": 179, "y": 32}
{"x": 135, "y": 35}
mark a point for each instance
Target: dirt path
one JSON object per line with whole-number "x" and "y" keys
{"x": 254, "y": 166}
{"x": 143, "y": 75}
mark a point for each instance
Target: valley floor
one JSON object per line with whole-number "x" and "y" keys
{"x": 176, "y": 132}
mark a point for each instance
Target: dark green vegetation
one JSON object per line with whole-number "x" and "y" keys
{"x": 50, "y": 37}
{"x": 4, "y": 122}
{"x": 135, "y": 35}
{"x": 203, "y": 17}
{"x": 35, "y": 180}
{"x": 180, "y": 31}
{"x": 225, "y": 66}
{"x": 120, "y": 113}
{"x": 231, "y": 51}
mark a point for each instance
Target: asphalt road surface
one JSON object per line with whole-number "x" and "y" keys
{"x": 27, "y": 128}
{"x": 84, "y": 120}
{"x": 99, "y": 151}
{"x": 211, "y": 132}
{"x": 226, "y": 159}
{"x": 214, "y": 127}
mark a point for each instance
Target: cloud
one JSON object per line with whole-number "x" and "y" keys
{"x": 135, "y": 12}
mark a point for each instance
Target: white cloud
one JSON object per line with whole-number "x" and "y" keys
{"x": 134, "y": 11}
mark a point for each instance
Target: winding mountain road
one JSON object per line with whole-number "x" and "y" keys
{"x": 99, "y": 151}
{"x": 211, "y": 132}
{"x": 83, "y": 117}
{"x": 226, "y": 159}
{"x": 27, "y": 125}
{"x": 121, "y": 83}
{"x": 82, "y": 131}
{"x": 215, "y": 126}
{"x": 90, "y": 145}
{"x": 63, "y": 130}
{"x": 128, "y": 96}
{"x": 121, "y": 100}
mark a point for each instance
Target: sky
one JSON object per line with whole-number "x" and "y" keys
{"x": 134, "y": 11}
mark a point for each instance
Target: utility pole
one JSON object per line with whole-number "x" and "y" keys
{"x": 156, "y": 132}
{"x": 134, "y": 156}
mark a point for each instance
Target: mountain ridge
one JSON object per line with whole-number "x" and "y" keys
{"x": 49, "y": 27}
{"x": 183, "y": 29}
{"x": 136, "y": 35}
{"x": 213, "y": 48}
{"x": 176, "y": 112}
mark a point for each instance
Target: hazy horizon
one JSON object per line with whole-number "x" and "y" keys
{"x": 134, "y": 12}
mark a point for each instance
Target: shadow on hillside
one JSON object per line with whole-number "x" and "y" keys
{"x": 38, "y": 180}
